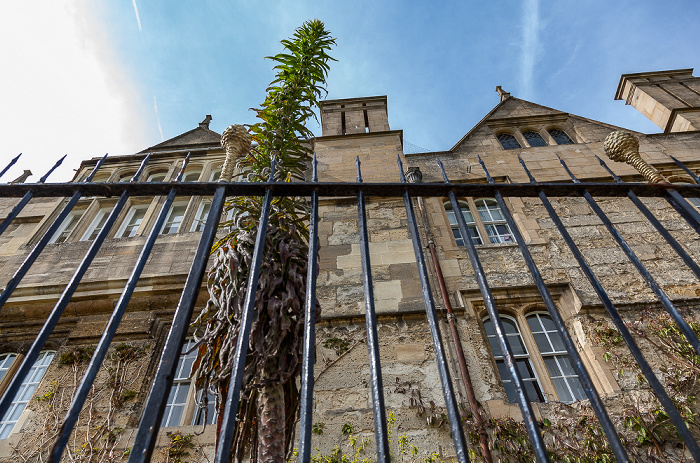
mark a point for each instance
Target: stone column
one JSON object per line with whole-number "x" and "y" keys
{"x": 236, "y": 142}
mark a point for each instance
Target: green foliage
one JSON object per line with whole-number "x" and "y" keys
{"x": 317, "y": 428}
{"x": 276, "y": 337}
{"x": 340, "y": 346}
{"x": 127, "y": 353}
{"x": 77, "y": 356}
{"x": 178, "y": 447}
{"x": 354, "y": 450}
{"x": 48, "y": 395}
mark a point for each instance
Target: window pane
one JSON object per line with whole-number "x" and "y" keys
{"x": 156, "y": 177}
{"x": 192, "y": 176}
{"x": 543, "y": 343}
{"x": 66, "y": 227}
{"x": 560, "y": 385}
{"x": 5, "y": 362}
{"x": 560, "y": 137}
{"x": 199, "y": 414}
{"x": 534, "y": 139}
{"x": 134, "y": 222}
{"x": 468, "y": 218}
{"x": 172, "y": 225}
{"x": 25, "y": 392}
{"x": 508, "y": 141}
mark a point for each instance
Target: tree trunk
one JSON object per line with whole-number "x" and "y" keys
{"x": 271, "y": 427}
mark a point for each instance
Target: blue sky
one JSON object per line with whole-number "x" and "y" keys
{"x": 89, "y": 77}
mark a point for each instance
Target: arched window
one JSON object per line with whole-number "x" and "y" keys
{"x": 468, "y": 217}
{"x": 508, "y": 141}
{"x": 493, "y": 220}
{"x": 560, "y": 137}
{"x": 26, "y": 390}
{"x": 522, "y": 359}
{"x": 156, "y": 177}
{"x": 192, "y": 175}
{"x": 534, "y": 139}
{"x": 555, "y": 357}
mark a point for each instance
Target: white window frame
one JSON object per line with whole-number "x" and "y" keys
{"x": 505, "y": 379}
{"x": 127, "y": 220}
{"x": 25, "y": 393}
{"x": 98, "y": 221}
{"x": 67, "y": 226}
{"x": 566, "y": 383}
{"x": 468, "y": 218}
{"x": 201, "y": 215}
{"x": 169, "y": 221}
{"x": 488, "y": 221}
{"x": 181, "y": 408}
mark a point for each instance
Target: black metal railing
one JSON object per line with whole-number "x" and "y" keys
{"x": 154, "y": 406}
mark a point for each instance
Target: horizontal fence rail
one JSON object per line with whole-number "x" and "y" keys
{"x": 155, "y": 403}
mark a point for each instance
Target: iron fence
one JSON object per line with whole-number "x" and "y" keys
{"x": 154, "y": 406}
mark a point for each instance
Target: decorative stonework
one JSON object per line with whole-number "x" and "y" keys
{"x": 236, "y": 142}
{"x": 621, "y": 146}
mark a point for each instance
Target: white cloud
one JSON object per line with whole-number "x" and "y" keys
{"x": 531, "y": 25}
{"x": 136, "y": 10}
{"x": 62, "y": 90}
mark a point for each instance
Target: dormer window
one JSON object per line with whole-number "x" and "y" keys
{"x": 508, "y": 141}
{"x": 560, "y": 137}
{"x": 534, "y": 139}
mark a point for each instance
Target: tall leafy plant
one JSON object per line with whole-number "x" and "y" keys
{"x": 269, "y": 403}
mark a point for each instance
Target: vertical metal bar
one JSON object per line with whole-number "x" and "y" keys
{"x": 531, "y": 425}
{"x": 655, "y": 222}
{"x": 11, "y": 163}
{"x": 111, "y": 328}
{"x": 660, "y": 294}
{"x": 155, "y": 403}
{"x": 375, "y": 368}
{"x": 685, "y": 205}
{"x": 52, "y": 320}
{"x": 307, "y": 365}
{"x": 36, "y": 250}
{"x": 686, "y": 169}
{"x": 431, "y": 315}
{"x": 644, "y": 366}
{"x": 25, "y": 199}
{"x": 223, "y": 450}
{"x": 574, "y": 356}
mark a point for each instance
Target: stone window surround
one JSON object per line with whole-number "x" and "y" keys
{"x": 90, "y": 207}
{"x": 518, "y": 302}
{"x": 540, "y": 124}
{"x": 481, "y": 228}
{"x": 543, "y": 130}
{"x": 519, "y": 314}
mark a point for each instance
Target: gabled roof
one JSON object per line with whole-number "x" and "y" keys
{"x": 198, "y": 137}
{"x": 510, "y": 107}
{"x": 514, "y": 110}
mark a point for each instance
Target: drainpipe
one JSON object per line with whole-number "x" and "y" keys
{"x": 414, "y": 175}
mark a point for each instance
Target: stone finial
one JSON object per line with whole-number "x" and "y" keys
{"x": 205, "y": 123}
{"x": 414, "y": 175}
{"x": 22, "y": 178}
{"x": 503, "y": 94}
{"x": 621, "y": 146}
{"x": 236, "y": 143}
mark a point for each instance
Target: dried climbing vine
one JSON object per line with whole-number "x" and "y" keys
{"x": 99, "y": 435}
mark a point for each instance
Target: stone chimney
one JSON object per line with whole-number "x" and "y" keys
{"x": 354, "y": 115}
{"x": 670, "y": 99}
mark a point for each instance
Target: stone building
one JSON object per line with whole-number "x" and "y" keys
{"x": 359, "y": 127}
